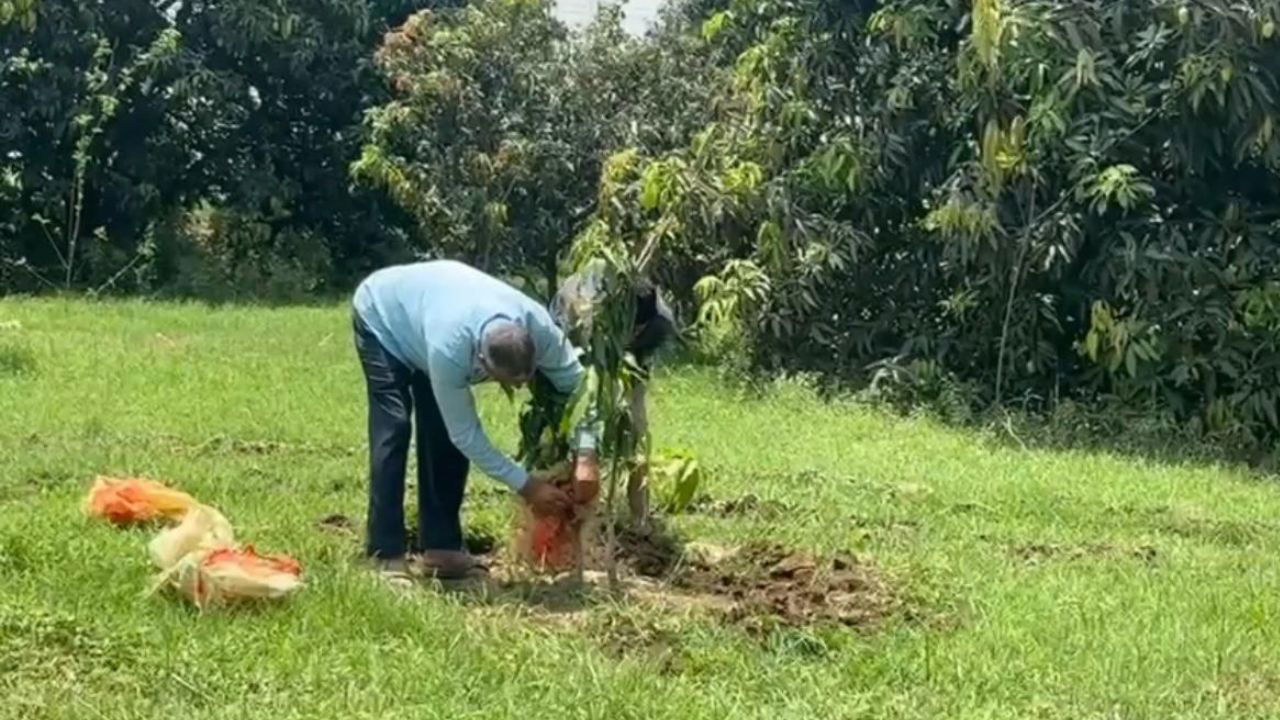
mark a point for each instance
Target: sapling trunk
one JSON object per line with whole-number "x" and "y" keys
{"x": 611, "y": 553}
{"x": 580, "y": 561}
{"x": 580, "y": 575}
{"x": 604, "y": 336}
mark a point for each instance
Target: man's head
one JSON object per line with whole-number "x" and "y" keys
{"x": 507, "y": 353}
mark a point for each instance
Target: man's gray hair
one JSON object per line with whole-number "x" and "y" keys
{"x": 509, "y": 349}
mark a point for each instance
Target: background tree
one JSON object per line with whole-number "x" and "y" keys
{"x": 989, "y": 201}
{"x": 83, "y": 92}
{"x": 281, "y": 91}
{"x": 501, "y": 119}
{"x": 1061, "y": 199}
{"x": 198, "y": 146}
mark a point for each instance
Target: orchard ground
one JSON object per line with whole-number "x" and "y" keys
{"x": 1016, "y": 583}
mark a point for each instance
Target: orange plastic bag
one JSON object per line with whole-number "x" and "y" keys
{"x": 129, "y": 501}
{"x": 552, "y": 542}
{"x": 201, "y": 561}
{"x": 230, "y": 575}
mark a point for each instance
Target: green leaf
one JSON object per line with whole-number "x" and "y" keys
{"x": 678, "y": 477}
{"x": 713, "y": 25}
{"x": 690, "y": 479}
{"x": 655, "y": 186}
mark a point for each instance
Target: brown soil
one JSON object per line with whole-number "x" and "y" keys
{"x": 757, "y": 586}
{"x": 772, "y": 584}
{"x": 650, "y": 554}
{"x": 337, "y": 523}
{"x": 1042, "y": 551}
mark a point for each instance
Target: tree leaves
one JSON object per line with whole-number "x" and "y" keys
{"x": 1071, "y": 156}
{"x": 677, "y": 476}
{"x": 513, "y": 121}
{"x": 248, "y": 107}
{"x": 958, "y": 185}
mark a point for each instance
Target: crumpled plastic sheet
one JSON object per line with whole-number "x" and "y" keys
{"x": 135, "y": 501}
{"x": 552, "y": 542}
{"x": 198, "y": 557}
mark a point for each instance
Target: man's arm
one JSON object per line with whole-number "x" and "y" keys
{"x": 457, "y": 407}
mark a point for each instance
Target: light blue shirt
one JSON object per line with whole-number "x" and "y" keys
{"x": 431, "y": 316}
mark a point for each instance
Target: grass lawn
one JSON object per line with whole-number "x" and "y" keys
{"x": 1032, "y": 584}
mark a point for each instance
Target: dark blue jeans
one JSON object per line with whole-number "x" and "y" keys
{"x": 395, "y": 390}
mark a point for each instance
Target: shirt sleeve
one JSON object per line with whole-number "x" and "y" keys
{"x": 457, "y": 407}
{"x": 557, "y": 357}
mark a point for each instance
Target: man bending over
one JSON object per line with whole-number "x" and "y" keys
{"x": 425, "y": 333}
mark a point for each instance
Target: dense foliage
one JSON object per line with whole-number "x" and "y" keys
{"x": 1039, "y": 199}
{"x": 501, "y": 120}
{"x": 196, "y": 146}
{"x": 1017, "y": 200}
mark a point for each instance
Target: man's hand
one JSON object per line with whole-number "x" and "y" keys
{"x": 544, "y": 497}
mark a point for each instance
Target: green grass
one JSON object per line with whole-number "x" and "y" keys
{"x": 260, "y": 412}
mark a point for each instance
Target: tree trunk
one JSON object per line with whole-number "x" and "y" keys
{"x": 551, "y": 271}
{"x": 638, "y": 478}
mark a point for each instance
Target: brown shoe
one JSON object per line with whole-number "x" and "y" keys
{"x": 447, "y": 564}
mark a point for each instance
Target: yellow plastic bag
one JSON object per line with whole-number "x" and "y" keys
{"x": 204, "y": 528}
{"x": 201, "y": 561}
{"x": 199, "y": 556}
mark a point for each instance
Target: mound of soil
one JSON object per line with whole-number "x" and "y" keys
{"x": 757, "y": 586}
{"x": 337, "y": 523}
{"x": 763, "y": 584}
{"x": 652, "y": 553}
{"x": 772, "y": 583}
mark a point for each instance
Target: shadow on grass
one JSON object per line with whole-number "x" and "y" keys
{"x": 1131, "y": 434}
{"x": 1086, "y": 425}
{"x": 650, "y": 554}
{"x": 1095, "y": 425}
{"x": 560, "y": 596}
{"x": 642, "y": 555}
{"x": 16, "y": 360}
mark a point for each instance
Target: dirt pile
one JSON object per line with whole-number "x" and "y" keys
{"x": 757, "y": 586}
{"x": 763, "y": 584}
{"x": 771, "y": 584}
{"x": 337, "y": 523}
{"x": 650, "y": 553}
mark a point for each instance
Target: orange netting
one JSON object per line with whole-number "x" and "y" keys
{"x": 551, "y": 543}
